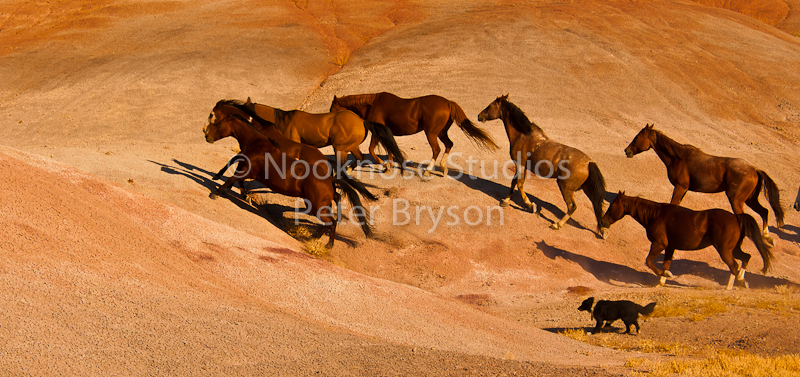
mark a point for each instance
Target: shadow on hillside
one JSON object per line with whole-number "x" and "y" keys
{"x": 272, "y": 212}
{"x": 609, "y": 273}
{"x": 612, "y": 273}
{"x": 499, "y": 192}
{"x": 789, "y": 233}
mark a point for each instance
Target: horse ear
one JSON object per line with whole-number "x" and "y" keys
{"x": 649, "y": 126}
{"x": 248, "y": 102}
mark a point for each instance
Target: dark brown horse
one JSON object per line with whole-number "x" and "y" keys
{"x": 408, "y": 116}
{"x": 670, "y": 227}
{"x": 286, "y": 167}
{"x": 344, "y": 130}
{"x": 532, "y": 150}
{"x": 690, "y": 169}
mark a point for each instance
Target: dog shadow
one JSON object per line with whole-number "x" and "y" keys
{"x": 613, "y": 329}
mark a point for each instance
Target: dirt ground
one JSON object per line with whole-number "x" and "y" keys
{"x": 117, "y": 262}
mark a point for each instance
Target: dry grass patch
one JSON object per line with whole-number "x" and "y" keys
{"x": 312, "y": 246}
{"x": 626, "y": 343}
{"x": 723, "y": 364}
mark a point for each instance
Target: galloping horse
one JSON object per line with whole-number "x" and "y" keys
{"x": 408, "y": 116}
{"x": 311, "y": 179}
{"x": 670, "y": 227}
{"x": 690, "y": 169}
{"x": 344, "y": 130}
{"x": 530, "y": 148}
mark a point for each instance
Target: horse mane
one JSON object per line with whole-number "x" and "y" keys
{"x": 672, "y": 147}
{"x": 231, "y": 102}
{"x": 645, "y": 208}
{"x": 243, "y": 108}
{"x": 357, "y": 99}
{"x": 283, "y": 115}
{"x": 519, "y": 120}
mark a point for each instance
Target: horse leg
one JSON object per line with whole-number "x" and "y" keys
{"x": 655, "y": 250}
{"x": 726, "y": 253}
{"x": 569, "y": 199}
{"x": 373, "y": 143}
{"x": 753, "y": 203}
{"x": 221, "y": 189}
{"x": 505, "y": 202}
{"x": 677, "y": 194}
{"x": 448, "y": 145}
{"x": 745, "y": 258}
{"x": 341, "y": 161}
{"x": 521, "y": 186}
{"x": 668, "y": 254}
{"x": 328, "y": 219}
{"x": 435, "y": 148}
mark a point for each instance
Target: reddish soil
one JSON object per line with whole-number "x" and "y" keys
{"x": 116, "y": 261}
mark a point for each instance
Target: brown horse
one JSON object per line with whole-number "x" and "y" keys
{"x": 690, "y": 169}
{"x": 344, "y": 130}
{"x": 271, "y": 161}
{"x": 670, "y": 227}
{"x": 408, "y": 116}
{"x": 530, "y": 149}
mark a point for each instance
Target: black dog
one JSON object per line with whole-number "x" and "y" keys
{"x": 610, "y": 311}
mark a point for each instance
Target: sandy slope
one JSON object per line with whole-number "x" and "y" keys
{"x": 133, "y": 268}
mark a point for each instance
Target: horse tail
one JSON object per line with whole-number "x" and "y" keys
{"x": 351, "y": 189}
{"x": 477, "y": 135}
{"x": 648, "y": 309}
{"x": 595, "y": 189}
{"x": 386, "y": 138}
{"x": 773, "y": 195}
{"x": 751, "y": 229}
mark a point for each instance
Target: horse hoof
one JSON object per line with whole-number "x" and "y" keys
{"x": 555, "y": 226}
{"x": 604, "y": 233}
{"x": 769, "y": 239}
{"x": 668, "y": 274}
{"x": 213, "y": 195}
{"x": 505, "y": 203}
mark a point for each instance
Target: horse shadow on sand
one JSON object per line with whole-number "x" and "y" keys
{"x": 499, "y": 191}
{"x": 788, "y": 233}
{"x": 274, "y": 213}
{"x": 614, "y": 274}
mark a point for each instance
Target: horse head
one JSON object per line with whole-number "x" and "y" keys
{"x": 616, "y": 210}
{"x": 217, "y": 127}
{"x": 494, "y": 110}
{"x": 642, "y": 142}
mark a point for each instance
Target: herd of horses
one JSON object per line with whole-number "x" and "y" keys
{"x": 265, "y": 133}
